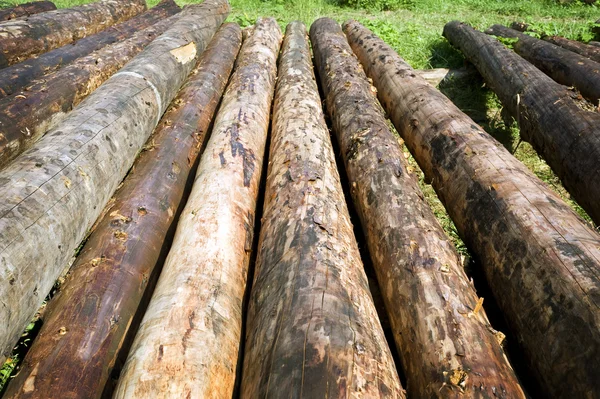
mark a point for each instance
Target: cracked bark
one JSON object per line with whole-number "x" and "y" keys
{"x": 313, "y": 330}
{"x": 187, "y": 344}
{"x": 52, "y": 194}
{"x": 24, "y": 38}
{"x": 121, "y": 255}
{"x": 541, "y": 260}
{"x": 26, "y": 9}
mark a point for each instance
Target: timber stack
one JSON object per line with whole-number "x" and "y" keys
{"x": 177, "y": 175}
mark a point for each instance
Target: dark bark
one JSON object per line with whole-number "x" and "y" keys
{"x": 591, "y": 52}
{"x": 26, "y": 9}
{"x": 27, "y": 116}
{"x": 120, "y": 256}
{"x": 551, "y": 117}
{"x": 24, "y": 38}
{"x": 52, "y": 194}
{"x": 562, "y": 65}
{"x": 312, "y": 330}
{"x": 520, "y": 26}
{"x": 18, "y": 76}
{"x": 541, "y": 260}
{"x": 188, "y": 342}
{"x": 422, "y": 280}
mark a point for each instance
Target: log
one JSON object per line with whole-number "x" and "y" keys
{"x": 21, "y": 39}
{"x": 595, "y": 44}
{"x": 18, "y": 76}
{"x": 520, "y": 26}
{"x": 121, "y": 255}
{"x": 540, "y": 258}
{"x": 26, "y": 9}
{"x": 591, "y": 52}
{"x": 188, "y": 342}
{"x": 415, "y": 262}
{"x": 52, "y": 194}
{"x": 310, "y": 295}
{"x": 27, "y": 116}
{"x": 550, "y": 116}
{"x": 562, "y": 65}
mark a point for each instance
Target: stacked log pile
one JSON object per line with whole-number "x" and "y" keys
{"x": 185, "y": 284}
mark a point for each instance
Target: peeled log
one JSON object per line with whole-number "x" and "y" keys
{"x": 310, "y": 295}
{"x": 562, "y": 65}
{"x": 18, "y": 76}
{"x": 447, "y": 345}
{"x": 540, "y": 259}
{"x": 26, "y": 9}
{"x": 188, "y": 342}
{"x": 27, "y": 116}
{"x": 27, "y": 37}
{"x": 52, "y": 194}
{"x": 591, "y": 52}
{"x": 121, "y": 255}
{"x": 551, "y": 118}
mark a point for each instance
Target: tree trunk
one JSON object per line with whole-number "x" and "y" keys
{"x": 188, "y": 342}
{"x": 27, "y": 116}
{"x": 591, "y": 52}
{"x": 27, "y": 37}
{"x": 562, "y": 65}
{"x": 541, "y": 260}
{"x": 52, "y": 194}
{"x": 310, "y": 294}
{"x": 414, "y": 260}
{"x": 119, "y": 258}
{"x": 18, "y": 76}
{"x": 550, "y": 116}
{"x": 26, "y": 9}
{"x": 595, "y": 44}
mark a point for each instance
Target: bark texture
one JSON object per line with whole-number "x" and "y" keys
{"x": 562, "y": 65}
{"x": 18, "y": 76}
{"x": 52, "y": 194}
{"x": 541, "y": 260}
{"x": 188, "y": 342}
{"x": 561, "y": 129}
{"x": 27, "y": 116}
{"x": 27, "y": 37}
{"x": 26, "y": 9}
{"x": 76, "y": 349}
{"x": 591, "y": 52}
{"x": 447, "y": 346}
{"x": 313, "y": 330}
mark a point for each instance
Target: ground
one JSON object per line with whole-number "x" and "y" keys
{"x": 415, "y": 31}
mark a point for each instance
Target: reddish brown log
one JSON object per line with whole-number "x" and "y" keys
{"x": 18, "y": 76}
{"x": 564, "y": 66}
{"x": 591, "y": 52}
{"x": 414, "y": 260}
{"x": 26, "y": 9}
{"x": 188, "y": 342}
{"x": 551, "y": 118}
{"x": 24, "y": 38}
{"x": 541, "y": 260}
{"x": 76, "y": 349}
{"x": 312, "y": 328}
{"x": 52, "y": 194}
{"x": 27, "y": 116}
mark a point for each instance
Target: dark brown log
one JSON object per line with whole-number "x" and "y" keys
{"x": 188, "y": 342}
{"x": 591, "y": 52}
{"x": 312, "y": 330}
{"x": 26, "y": 9}
{"x": 560, "y": 64}
{"x": 541, "y": 260}
{"x": 595, "y": 44}
{"x": 52, "y": 194}
{"x": 24, "y": 38}
{"x": 76, "y": 349}
{"x": 550, "y": 116}
{"x": 18, "y": 76}
{"x": 414, "y": 260}
{"x": 27, "y": 116}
